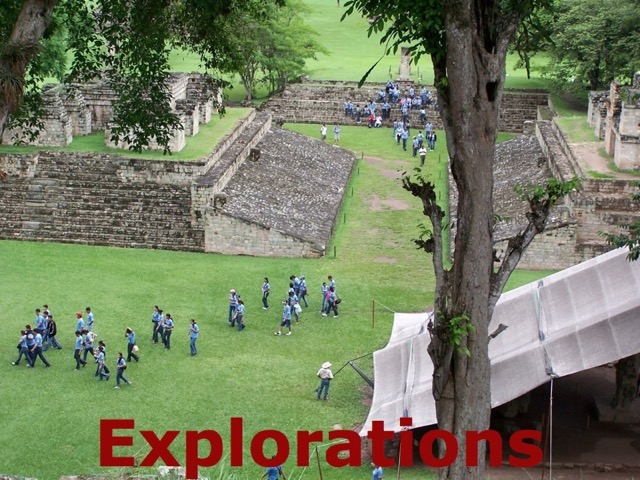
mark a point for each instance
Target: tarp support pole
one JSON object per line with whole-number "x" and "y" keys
{"x": 361, "y": 373}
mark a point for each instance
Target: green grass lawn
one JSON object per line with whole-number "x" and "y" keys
{"x": 268, "y": 381}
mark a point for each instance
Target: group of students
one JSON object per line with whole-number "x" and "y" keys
{"x": 43, "y": 335}
{"x": 298, "y": 293}
{"x": 40, "y": 338}
{"x": 163, "y": 326}
{"x": 87, "y": 342}
{"x": 295, "y": 298}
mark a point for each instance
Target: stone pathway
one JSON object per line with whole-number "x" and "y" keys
{"x": 591, "y": 160}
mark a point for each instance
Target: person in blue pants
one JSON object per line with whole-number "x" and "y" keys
{"x": 194, "y": 332}
{"x": 121, "y": 366}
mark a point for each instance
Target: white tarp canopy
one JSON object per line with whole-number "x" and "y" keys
{"x": 579, "y": 318}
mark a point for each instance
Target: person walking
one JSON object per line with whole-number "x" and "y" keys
{"x": 36, "y": 351}
{"x": 233, "y": 304}
{"x": 323, "y": 132}
{"x": 423, "y": 155}
{"x": 286, "y": 318}
{"x": 100, "y": 361}
{"x": 52, "y": 331}
{"x": 78, "y": 350}
{"x": 90, "y": 319}
{"x": 79, "y": 322}
{"x": 325, "y": 375}
{"x": 194, "y": 332}
{"x": 303, "y": 291}
{"x": 89, "y": 338}
{"x": 324, "y": 289}
{"x": 336, "y": 134}
{"x": 240, "y": 315}
{"x": 167, "y": 329}
{"x": 332, "y": 303}
{"x": 131, "y": 343}
{"x": 23, "y": 349}
{"x": 156, "y": 320}
{"x": 266, "y": 288}
{"x": 121, "y": 365}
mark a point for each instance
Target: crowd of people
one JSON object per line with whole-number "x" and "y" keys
{"x": 42, "y": 336}
{"x": 391, "y": 102}
{"x": 35, "y": 340}
{"x": 292, "y": 303}
{"x": 379, "y": 113}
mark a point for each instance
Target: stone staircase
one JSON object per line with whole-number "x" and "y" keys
{"x": 324, "y": 103}
{"x": 99, "y": 199}
{"x": 80, "y": 199}
{"x": 228, "y": 163}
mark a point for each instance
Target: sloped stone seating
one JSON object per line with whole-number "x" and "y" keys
{"x": 324, "y": 103}
{"x": 104, "y": 199}
{"x": 80, "y": 199}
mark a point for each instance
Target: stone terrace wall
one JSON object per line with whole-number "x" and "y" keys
{"x": 324, "y": 103}
{"x": 58, "y": 127}
{"x": 99, "y": 200}
{"x": 572, "y": 235}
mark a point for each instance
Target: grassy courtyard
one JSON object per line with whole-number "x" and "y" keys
{"x": 268, "y": 381}
{"x": 50, "y": 417}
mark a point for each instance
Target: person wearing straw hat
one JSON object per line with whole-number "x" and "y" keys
{"x": 325, "y": 375}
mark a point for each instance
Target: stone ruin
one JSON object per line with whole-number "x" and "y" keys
{"x": 615, "y": 116}
{"x": 83, "y": 109}
{"x": 247, "y": 197}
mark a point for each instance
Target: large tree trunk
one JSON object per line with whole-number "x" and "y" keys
{"x": 475, "y": 65}
{"x": 21, "y": 47}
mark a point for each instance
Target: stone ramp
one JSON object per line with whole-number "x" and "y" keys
{"x": 295, "y": 187}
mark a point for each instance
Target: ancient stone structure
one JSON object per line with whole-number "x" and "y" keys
{"x": 572, "y": 233}
{"x": 405, "y": 63}
{"x": 615, "y": 116}
{"x": 81, "y": 109}
{"x": 323, "y": 102}
{"x": 251, "y": 195}
{"x": 232, "y": 201}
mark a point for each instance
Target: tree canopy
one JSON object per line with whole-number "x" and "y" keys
{"x": 593, "y": 42}
{"x": 273, "y": 42}
{"x": 127, "y": 44}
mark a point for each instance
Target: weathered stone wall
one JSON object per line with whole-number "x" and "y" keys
{"x": 231, "y": 235}
{"x": 98, "y": 200}
{"x": 324, "y": 103}
{"x": 58, "y": 128}
{"x": 77, "y": 109}
{"x": 177, "y": 141}
{"x": 627, "y": 143}
{"x": 99, "y": 99}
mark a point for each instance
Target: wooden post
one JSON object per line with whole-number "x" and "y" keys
{"x": 373, "y": 313}
{"x": 334, "y": 252}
